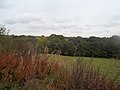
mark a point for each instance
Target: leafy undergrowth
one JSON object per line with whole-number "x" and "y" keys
{"x": 31, "y": 71}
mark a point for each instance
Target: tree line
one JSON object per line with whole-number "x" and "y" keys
{"x": 107, "y": 47}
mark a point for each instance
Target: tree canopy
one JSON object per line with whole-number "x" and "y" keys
{"x": 107, "y": 47}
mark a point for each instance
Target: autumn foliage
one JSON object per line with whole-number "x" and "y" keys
{"x": 32, "y": 71}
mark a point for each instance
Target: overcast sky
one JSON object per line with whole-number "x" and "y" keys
{"x": 67, "y": 17}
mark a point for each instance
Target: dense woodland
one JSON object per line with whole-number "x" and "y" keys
{"x": 107, "y": 47}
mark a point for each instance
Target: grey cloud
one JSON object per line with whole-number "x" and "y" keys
{"x": 58, "y": 26}
{"x": 102, "y": 31}
{"x": 9, "y": 21}
{"x": 43, "y": 27}
{"x": 116, "y": 18}
{"x": 25, "y": 18}
{"x": 61, "y": 20}
{"x": 74, "y": 19}
{"x": 57, "y": 29}
{"x": 4, "y": 4}
{"x": 45, "y": 23}
{"x": 89, "y": 26}
{"x": 30, "y": 24}
{"x": 114, "y": 22}
{"x": 111, "y": 24}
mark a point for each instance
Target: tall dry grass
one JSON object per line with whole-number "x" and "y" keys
{"x": 22, "y": 70}
{"x": 32, "y": 71}
{"x": 85, "y": 77}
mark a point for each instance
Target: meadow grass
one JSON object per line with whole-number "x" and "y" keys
{"x": 109, "y": 66}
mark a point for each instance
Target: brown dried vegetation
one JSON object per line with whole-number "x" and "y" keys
{"x": 35, "y": 72}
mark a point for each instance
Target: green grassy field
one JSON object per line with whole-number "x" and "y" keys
{"x": 110, "y": 66}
